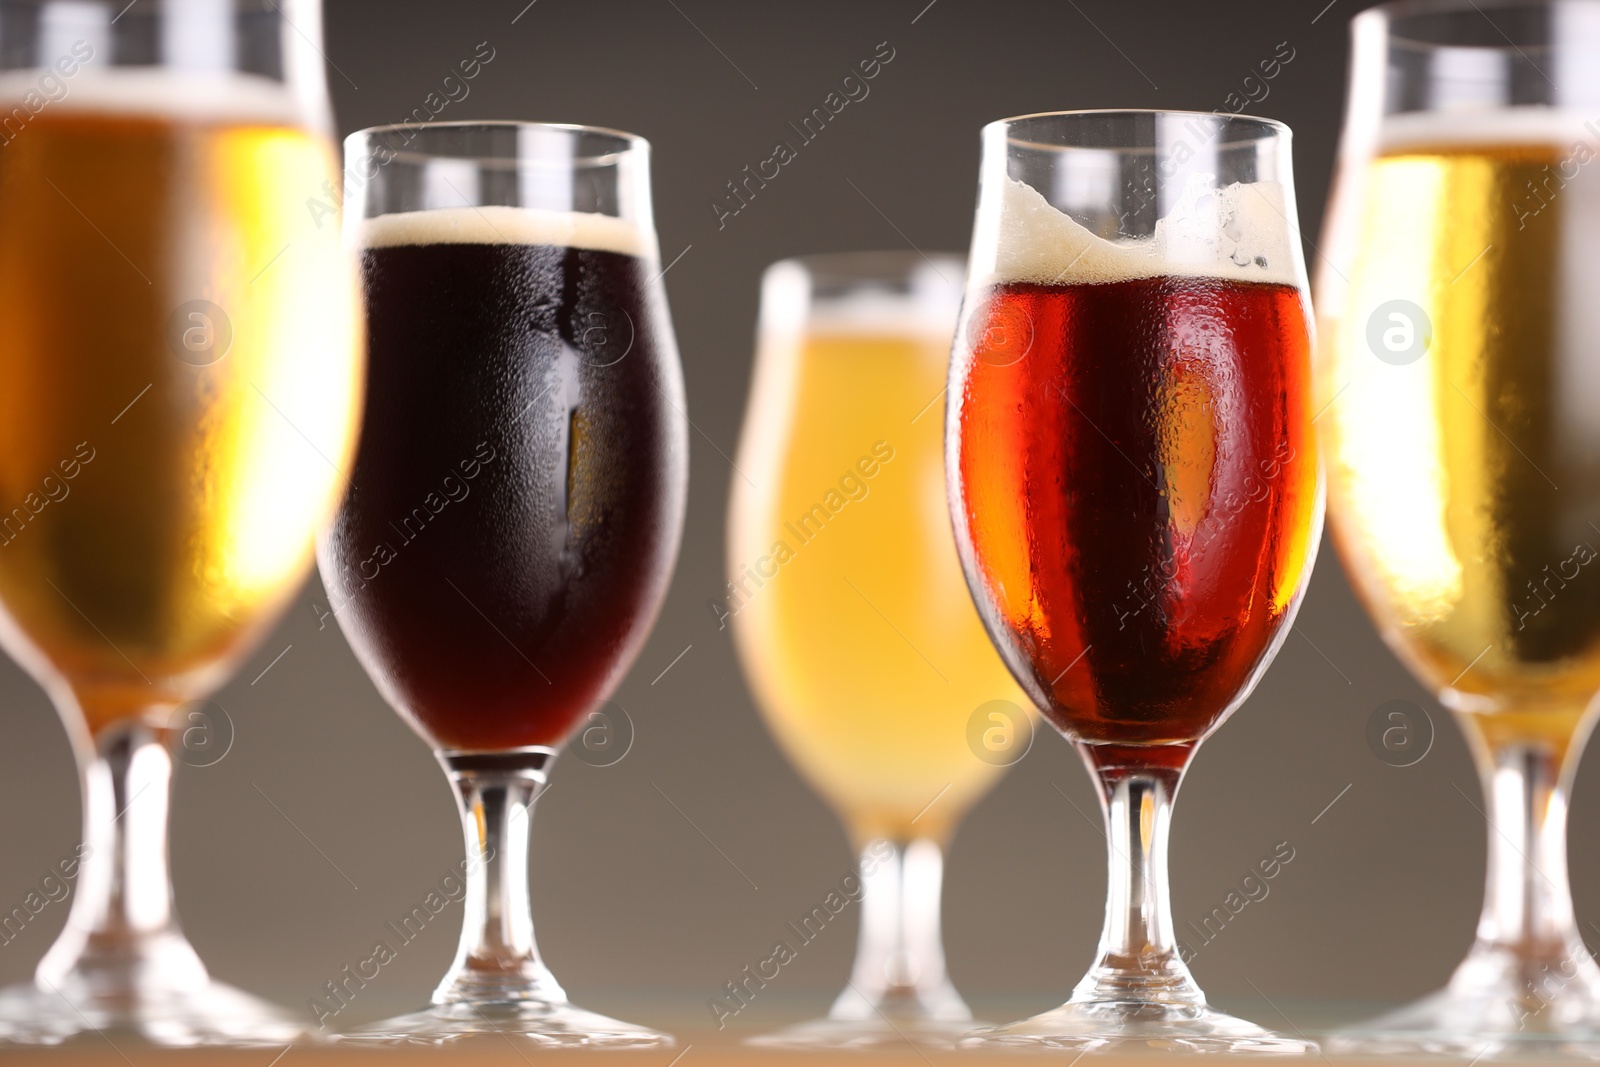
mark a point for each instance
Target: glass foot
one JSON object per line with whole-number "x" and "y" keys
{"x": 209, "y": 1014}
{"x": 866, "y": 1034}
{"x": 1136, "y": 1028}
{"x": 1479, "y": 1026}
{"x": 539, "y": 1023}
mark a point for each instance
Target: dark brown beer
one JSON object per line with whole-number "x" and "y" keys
{"x": 1136, "y": 481}
{"x": 518, "y": 494}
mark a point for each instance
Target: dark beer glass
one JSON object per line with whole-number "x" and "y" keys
{"x": 1134, "y": 487}
{"x": 517, "y": 498}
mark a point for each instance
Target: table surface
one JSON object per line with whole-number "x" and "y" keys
{"x": 699, "y": 1044}
{"x": 705, "y": 1048}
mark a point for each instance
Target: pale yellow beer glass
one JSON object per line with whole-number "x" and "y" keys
{"x": 851, "y": 615}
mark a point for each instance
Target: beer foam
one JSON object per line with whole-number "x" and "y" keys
{"x": 1486, "y": 127}
{"x": 883, "y": 316}
{"x": 500, "y": 225}
{"x": 1240, "y": 233}
{"x": 223, "y": 96}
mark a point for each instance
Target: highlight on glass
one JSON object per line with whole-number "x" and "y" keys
{"x": 1458, "y": 369}
{"x": 851, "y": 616}
{"x": 519, "y": 343}
{"x": 1134, "y": 488}
{"x": 197, "y": 407}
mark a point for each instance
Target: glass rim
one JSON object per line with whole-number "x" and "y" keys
{"x": 1391, "y": 11}
{"x": 625, "y": 143}
{"x": 1266, "y": 128}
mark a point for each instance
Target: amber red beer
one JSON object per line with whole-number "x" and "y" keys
{"x": 1132, "y": 475}
{"x": 1139, "y": 503}
{"x": 516, "y": 498}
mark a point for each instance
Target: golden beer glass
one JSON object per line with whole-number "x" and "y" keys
{"x": 182, "y": 373}
{"x": 1458, "y": 375}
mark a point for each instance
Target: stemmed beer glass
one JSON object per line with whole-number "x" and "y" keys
{"x": 1460, "y": 358}
{"x": 851, "y": 618}
{"x": 182, "y": 373}
{"x": 1134, "y": 487}
{"x": 517, "y": 497}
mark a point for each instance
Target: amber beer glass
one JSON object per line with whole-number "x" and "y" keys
{"x": 1460, "y": 363}
{"x": 1134, "y": 487}
{"x": 517, "y": 497}
{"x": 182, "y": 371}
{"x": 851, "y": 615}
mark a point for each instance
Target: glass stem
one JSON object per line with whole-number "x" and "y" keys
{"x": 899, "y": 968}
{"x": 1527, "y": 935}
{"x": 1138, "y": 955}
{"x": 121, "y": 931}
{"x": 497, "y": 961}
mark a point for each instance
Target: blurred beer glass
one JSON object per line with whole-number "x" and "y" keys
{"x": 851, "y": 615}
{"x": 1460, "y": 385}
{"x": 182, "y": 388}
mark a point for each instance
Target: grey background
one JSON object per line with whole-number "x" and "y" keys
{"x": 637, "y": 909}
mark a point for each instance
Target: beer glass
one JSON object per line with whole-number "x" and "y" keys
{"x": 1134, "y": 487}
{"x": 182, "y": 372}
{"x": 1459, "y": 367}
{"x": 851, "y": 617}
{"x": 517, "y": 496}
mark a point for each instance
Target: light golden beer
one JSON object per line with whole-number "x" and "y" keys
{"x": 850, "y": 611}
{"x": 1464, "y": 470}
{"x": 179, "y": 388}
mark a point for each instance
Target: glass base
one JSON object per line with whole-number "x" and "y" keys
{"x": 1131, "y": 1028}
{"x": 540, "y": 1024}
{"x": 209, "y": 1014}
{"x": 875, "y": 1034}
{"x": 1478, "y": 1026}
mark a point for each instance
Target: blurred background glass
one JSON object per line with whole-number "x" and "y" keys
{"x": 1459, "y": 384}
{"x": 176, "y": 421}
{"x": 851, "y": 615}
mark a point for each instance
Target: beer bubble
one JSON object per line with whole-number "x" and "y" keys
{"x": 202, "y": 732}
{"x": 199, "y": 332}
{"x": 604, "y": 335}
{"x": 1399, "y": 733}
{"x": 604, "y": 737}
{"x": 999, "y": 732}
{"x": 1399, "y": 332}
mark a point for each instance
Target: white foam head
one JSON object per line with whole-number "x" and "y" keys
{"x": 184, "y": 96}
{"x": 1506, "y": 126}
{"x": 876, "y": 315}
{"x": 1241, "y": 232}
{"x": 499, "y": 225}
